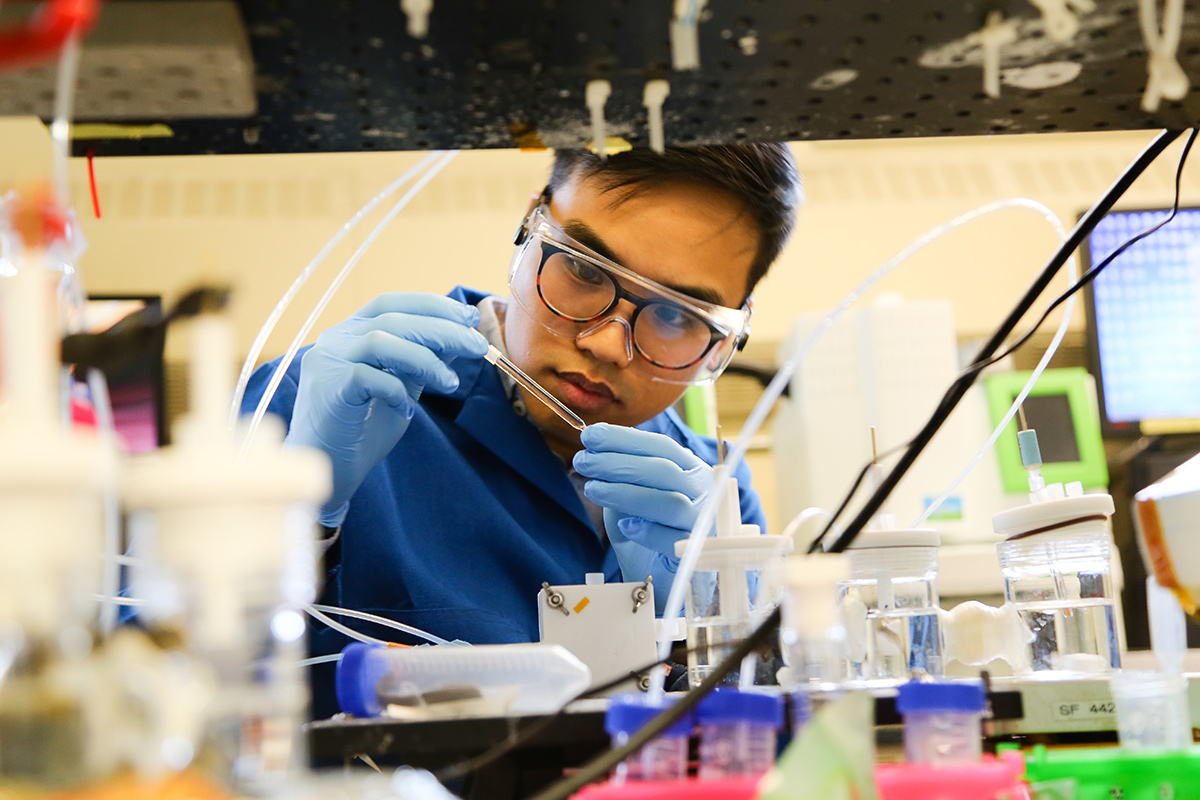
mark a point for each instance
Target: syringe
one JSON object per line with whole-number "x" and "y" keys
{"x": 494, "y": 356}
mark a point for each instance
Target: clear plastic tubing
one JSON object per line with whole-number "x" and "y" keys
{"x": 60, "y": 128}
{"x": 290, "y": 355}
{"x": 260, "y": 341}
{"x": 739, "y": 733}
{"x": 1068, "y": 308}
{"x": 942, "y": 722}
{"x": 514, "y": 678}
{"x": 378, "y": 620}
{"x": 766, "y": 402}
{"x": 664, "y": 758}
{"x": 1057, "y": 567}
{"x": 891, "y": 606}
{"x": 111, "y": 583}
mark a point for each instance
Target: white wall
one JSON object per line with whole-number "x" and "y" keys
{"x": 170, "y": 222}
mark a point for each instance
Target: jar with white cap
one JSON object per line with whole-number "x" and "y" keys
{"x": 891, "y": 606}
{"x": 722, "y": 604}
{"x": 1056, "y": 559}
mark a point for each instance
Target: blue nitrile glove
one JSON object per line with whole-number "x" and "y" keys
{"x": 359, "y": 384}
{"x": 651, "y": 488}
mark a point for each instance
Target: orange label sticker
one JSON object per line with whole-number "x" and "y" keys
{"x": 581, "y": 605}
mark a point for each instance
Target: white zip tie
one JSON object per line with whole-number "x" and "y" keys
{"x": 993, "y": 36}
{"x": 655, "y": 93}
{"x": 596, "y": 96}
{"x": 685, "y": 39}
{"x": 1167, "y": 78}
{"x": 417, "y": 12}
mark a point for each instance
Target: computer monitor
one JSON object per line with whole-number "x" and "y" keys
{"x": 136, "y": 388}
{"x": 1061, "y": 407}
{"x": 1144, "y": 323}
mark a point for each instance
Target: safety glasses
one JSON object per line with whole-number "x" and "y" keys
{"x": 678, "y": 338}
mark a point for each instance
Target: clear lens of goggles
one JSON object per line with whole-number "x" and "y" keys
{"x": 678, "y": 339}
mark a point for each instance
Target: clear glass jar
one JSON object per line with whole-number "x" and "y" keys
{"x": 891, "y": 607}
{"x": 1060, "y": 582}
{"x": 718, "y": 606}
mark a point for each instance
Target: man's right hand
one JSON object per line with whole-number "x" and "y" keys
{"x": 360, "y": 383}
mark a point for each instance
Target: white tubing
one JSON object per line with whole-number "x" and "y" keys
{"x": 290, "y": 355}
{"x": 337, "y": 626}
{"x": 260, "y": 341}
{"x": 110, "y": 585}
{"x": 308, "y": 662}
{"x": 60, "y": 128}
{"x": 384, "y": 621}
{"x": 1068, "y": 307}
{"x": 704, "y": 522}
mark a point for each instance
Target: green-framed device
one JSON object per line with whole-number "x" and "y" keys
{"x": 1062, "y": 408}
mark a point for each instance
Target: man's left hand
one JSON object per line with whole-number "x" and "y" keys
{"x": 651, "y": 488}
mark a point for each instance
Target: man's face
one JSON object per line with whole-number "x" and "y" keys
{"x": 686, "y": 236}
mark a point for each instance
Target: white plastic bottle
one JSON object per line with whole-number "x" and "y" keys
{"x": 51, "y": 484}
{"x": 227, "y": 555}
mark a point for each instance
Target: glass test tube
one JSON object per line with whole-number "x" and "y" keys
{"x": 494, "y": 356}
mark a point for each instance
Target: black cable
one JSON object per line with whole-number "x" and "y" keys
{"x": 514, "y": 741}
{"x": 959, "y": 388}
{"x": 599, "y": 766}
{"x": 815, "y": 547}
{"x": 1089, "y": 276}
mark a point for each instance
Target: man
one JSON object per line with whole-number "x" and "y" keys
{"x": 456, "y": 493}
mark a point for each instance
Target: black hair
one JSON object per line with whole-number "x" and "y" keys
{"x": 762, "y": 176}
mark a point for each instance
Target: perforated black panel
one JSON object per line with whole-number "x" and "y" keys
{"x": 346, "y": 76}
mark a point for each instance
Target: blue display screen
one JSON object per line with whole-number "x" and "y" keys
{"x": 1146, "y": 317}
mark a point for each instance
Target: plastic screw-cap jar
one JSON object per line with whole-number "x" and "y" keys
{"x": 663, "y": 758}
{"x": 738, "y": 733}
{"x": 941, "y": 721}
{"x": 891, "y": 605}
{"x": 1058, "y": 575}
{"x": 1152, "y": 710}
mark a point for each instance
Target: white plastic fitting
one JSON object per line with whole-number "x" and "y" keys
{"x": 1167, "y": 78}
{"x": 596, "y": 96}
{"x": 992, "y": 38}
{"x": 417, "y": 12}
{"x": 655, "y": 93}
{"x": 685, "y": 40}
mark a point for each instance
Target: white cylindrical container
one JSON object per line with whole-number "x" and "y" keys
{"x": 500, "y": 679}
{"x": 51, "y": 493}
{"x": 1152, "y": 710}
{"x": 227, "y": 554}
{"x": 1057, "y": 569}
{"x": 812, "y": 632}
{"x": 891, "y": 606}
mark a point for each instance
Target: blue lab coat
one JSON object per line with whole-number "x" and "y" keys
{"x": 455, "y": 530}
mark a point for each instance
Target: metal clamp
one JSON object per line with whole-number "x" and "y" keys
{"x": 555, "y": 599}
{"x": 642, "y": 593}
